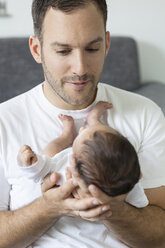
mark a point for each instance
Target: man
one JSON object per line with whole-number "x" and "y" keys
{"x": 71, "y": 43}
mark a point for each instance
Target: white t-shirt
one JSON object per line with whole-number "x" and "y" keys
{"x": 31, "y": 119}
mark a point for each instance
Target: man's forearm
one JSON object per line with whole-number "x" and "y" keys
{"x": 20, "y": 228}
{"x": 138, "y": 228}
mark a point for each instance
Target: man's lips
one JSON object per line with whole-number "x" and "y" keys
{"x": 78, "y": 85}
{"x": 83, "y": 82}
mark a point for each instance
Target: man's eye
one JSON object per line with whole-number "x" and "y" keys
{"x": 92, "y": 50}
{"x": 63, "y": 52}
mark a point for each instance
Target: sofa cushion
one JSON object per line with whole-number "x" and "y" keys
{"x": 121, "y": 67}
{"x": 154, "y": 91}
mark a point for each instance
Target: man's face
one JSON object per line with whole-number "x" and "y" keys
{"x": 72, "y": 55}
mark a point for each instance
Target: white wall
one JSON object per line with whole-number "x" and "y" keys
{"x": 143, "y": 20}
{"x": 20, "y": 22}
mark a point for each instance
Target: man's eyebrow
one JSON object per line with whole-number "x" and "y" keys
{"x": 58, "y": 44}
{"x": 99, "y": 39}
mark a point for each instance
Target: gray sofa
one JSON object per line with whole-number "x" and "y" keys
{"x": 19, "y": 72}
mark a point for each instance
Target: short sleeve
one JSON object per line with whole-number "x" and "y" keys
{"x": 152, "y": 150}
{"x": 4, "y": 190}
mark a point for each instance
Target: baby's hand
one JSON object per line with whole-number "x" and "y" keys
{"x": 26, "y": 156}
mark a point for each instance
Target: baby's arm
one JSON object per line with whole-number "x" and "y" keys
{"x": 66, "y": 138}
{"x": 33, "y": 166}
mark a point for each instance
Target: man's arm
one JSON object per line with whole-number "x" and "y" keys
{"x": 21, "y": 227}
{"x": 140, "y": 228}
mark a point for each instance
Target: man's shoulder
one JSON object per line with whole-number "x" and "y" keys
{"x": 17, "y": 105}
{"x": 19, "y": 100}
{"x": 124, "y": 98}
{"x": 112, "y": 91}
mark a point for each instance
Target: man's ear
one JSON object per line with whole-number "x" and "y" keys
{"x": 108, "y": 41}
{"x": 35, "y": 48}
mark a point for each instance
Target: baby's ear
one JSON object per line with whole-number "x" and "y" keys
{"x": 140, "y": 175}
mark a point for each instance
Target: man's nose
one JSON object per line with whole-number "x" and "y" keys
{"x": 79, "y": 64}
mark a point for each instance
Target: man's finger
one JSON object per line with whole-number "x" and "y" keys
{"x": 68, "y": 173}
{"x": 72, "y": 161}
{"x": 66, "y": 189}
{"x": 97, "y": 193}
{"x": 96, "y": 212}
{"x": 103, "y": 216}
{"x": 81, "y": 183}
{"x": 104, "y": 198}
{"x": 83, "y": 204}
{"x": 49, "y": 181}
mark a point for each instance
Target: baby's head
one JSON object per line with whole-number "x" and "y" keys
{"x": 107, "y": 159}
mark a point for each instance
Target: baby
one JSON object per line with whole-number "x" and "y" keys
{"x": 103, "y": 157}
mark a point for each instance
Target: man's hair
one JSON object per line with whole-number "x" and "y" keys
{"x": 110, "y": 162}
{"x": 40, "y": 7}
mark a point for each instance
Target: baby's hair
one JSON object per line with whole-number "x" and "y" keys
{"x": 110, "y": 162}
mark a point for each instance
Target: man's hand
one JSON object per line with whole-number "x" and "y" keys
{"x": 98, "y": 213}
{"x": 59, "y": 201}
{"x": 107, "y": 203}
{"x": 81, "y": 191}
{"x": 104, "y": 198}
{"x": 71, "y": 172}
{"x": 131, "y": 224}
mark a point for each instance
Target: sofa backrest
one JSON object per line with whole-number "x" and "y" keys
{"x": 121, "y": 68}
{"x": 19, "y": 72}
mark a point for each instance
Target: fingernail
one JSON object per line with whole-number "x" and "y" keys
{"x": 74, "y": 182}
{"x": 93, "y": 189}
{"x": 52, "y": 177}
{"x": 96, "y": 202}
{"x": 105, "y": 209}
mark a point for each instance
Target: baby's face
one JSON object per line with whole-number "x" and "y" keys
{"x": 86, "y": 133}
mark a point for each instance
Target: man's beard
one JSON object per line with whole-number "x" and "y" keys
{"x": 57, "y": 87}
